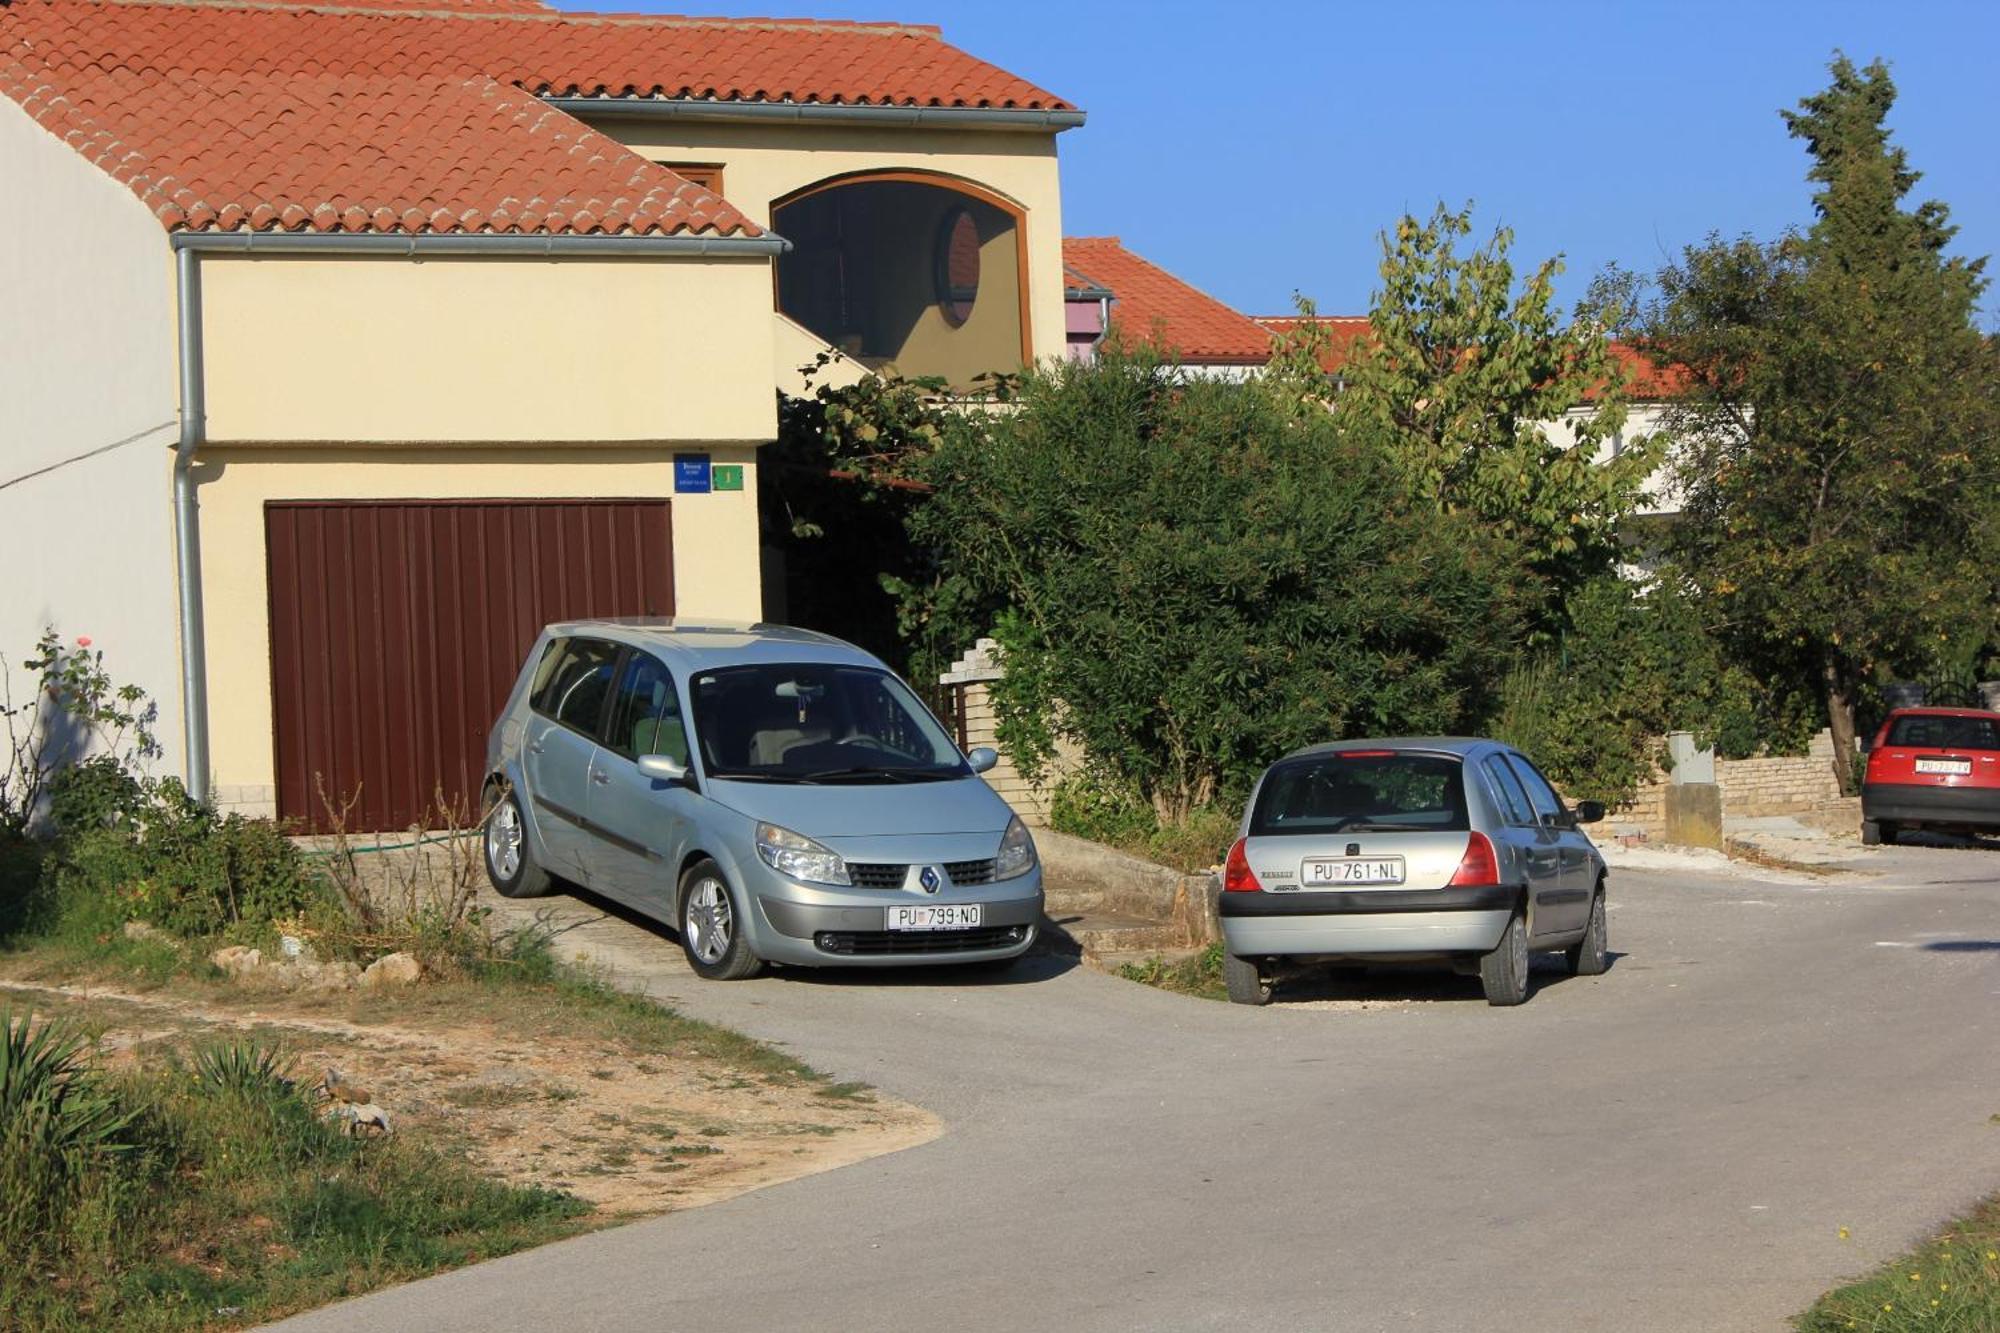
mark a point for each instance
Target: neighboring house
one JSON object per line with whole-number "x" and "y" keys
{"x": 1148, "y": 304}
{"x": 348, "y": 344}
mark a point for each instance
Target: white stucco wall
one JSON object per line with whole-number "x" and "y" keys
{"x": 86, "y": 362}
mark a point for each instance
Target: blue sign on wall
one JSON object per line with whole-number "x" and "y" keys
{"x": 691, "y": 473}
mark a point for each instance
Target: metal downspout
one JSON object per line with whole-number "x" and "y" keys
{"x": 187, "y": 525}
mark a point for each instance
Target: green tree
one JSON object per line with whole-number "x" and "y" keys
{"x": 1190, "y": 577}
{"x": 1839, "y": 462}
{"x": 1461, "y": 374}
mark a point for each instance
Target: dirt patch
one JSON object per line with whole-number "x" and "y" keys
{"x": 631, "y": 1131}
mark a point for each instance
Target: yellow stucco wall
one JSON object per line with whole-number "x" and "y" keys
{"x": 500, "y": 349}
{"x": 716, "y": 557}
{"x": 763, "y": 163}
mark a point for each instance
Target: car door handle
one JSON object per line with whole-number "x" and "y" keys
{"x": 534, "y": 747}
{"x": 600, "y": 777}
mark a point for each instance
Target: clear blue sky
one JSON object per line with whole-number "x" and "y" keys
{"x": 1255, "y": 148}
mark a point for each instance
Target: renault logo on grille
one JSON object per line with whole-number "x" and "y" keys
{"x": 930, "y": 879}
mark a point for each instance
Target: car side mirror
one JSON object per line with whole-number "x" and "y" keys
{"x": 1588, "y": 812}
{"x": 982, "y": 758}
{"x": 661, "y": 768}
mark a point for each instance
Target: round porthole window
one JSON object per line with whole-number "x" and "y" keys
{"x": 957, "y": 266}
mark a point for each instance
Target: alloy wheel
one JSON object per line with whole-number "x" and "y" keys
{"x": 707, "y": 920}
{"x": 503, "y": 840}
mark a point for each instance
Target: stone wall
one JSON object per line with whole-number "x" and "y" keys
{"x": 972, "y": 674}
{"x": 1777, "y": 785}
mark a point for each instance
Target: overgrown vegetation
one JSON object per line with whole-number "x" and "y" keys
{"x": 1189, "y": 577}
{"x": 1199, "y": 974}
{"x": 1950, "y": 1284}
{"x": 169, "y": 1196}
{"x": 1841, "y": 432}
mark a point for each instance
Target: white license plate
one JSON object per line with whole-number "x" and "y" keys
{"x": 1353, "y": 870}
{"x": 935, "y": 916}
{"x": 1957, "y": 767}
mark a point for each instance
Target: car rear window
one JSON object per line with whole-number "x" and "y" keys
{"x": 1362, "y": 791}
{"x": 1945, "y": 733}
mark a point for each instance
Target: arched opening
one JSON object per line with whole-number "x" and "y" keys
{"x": 921, "y": 272}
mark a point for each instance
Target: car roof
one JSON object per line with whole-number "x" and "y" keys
{"x": 696, "y": 645}
{"x": 1986, "y": 713}
{"x": 1458, "y": 745}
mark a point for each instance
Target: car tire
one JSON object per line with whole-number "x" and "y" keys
{"x": 1871, "y": 833}
{"x": 510, "y": 857}
{"x": 1591, "y": 955}
{"x": 711, "y": 926}
{"x": 1245, "y": 981}
{"x": 1503, "y": 970}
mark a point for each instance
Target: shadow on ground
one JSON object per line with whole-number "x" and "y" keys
{"x": 1051, "y": 956}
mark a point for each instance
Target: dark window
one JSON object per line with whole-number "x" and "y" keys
{"x": 579, "y": 685}
{"x": 1945, "y": 733}
{"x": 1548, "y": 806}
{"x": 545, "y": 673}
{"x": 708, "y": 175}
{"x": 813, "y": 722}
{"x": 646, "y": 712}
{"x": 1514, "y": 807}
{"x": 1361, "y": 791}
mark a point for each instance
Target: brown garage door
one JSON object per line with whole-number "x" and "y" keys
{"x": 397, "y": 628}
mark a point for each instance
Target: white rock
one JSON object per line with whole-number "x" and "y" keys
{"x": 140, "y": 930}
{"x": 238, "y": 960}
{"x": 393, "y": 969}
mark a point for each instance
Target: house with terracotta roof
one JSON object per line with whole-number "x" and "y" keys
{"x": 350, "y": 341}
{"x": 1148, "y": 304}
{"x": 1107, "y": 286}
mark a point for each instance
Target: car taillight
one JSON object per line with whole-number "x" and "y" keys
{"x": 1237, "y": 876}
{"x": 1479, "y": 867}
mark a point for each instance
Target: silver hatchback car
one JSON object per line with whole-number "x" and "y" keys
{"x": 774, "y": 794}
{"x": 1439, "y": 850}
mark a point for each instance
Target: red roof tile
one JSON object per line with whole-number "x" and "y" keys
{"x": 418, "y": 115}
{"x": 1148, "y": 301}
{"x": 1342, "y": 332}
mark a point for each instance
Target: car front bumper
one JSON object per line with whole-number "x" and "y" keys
{"x": 820, "y": 927}
{"x": 1913, "y": 803}
{"x": 1377, "y": 923}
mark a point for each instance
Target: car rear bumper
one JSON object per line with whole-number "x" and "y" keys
{"x": 1366, "y": 922}
{"x": 1912, "y": 803}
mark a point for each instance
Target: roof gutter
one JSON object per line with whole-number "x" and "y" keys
{"x": 187, "y": 524}
{"x": 825, "y": 113}
{"x": 417, "y": 246}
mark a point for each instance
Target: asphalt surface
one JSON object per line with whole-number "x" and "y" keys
{"x": 1675, "y": 1145}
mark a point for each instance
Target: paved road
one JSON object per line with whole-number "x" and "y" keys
{"x": 1673, "y": 1145}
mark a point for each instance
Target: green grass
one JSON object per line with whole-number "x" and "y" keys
{"x": 1950, "y": 1284}
{"x": 231, "y": 1194}
{"x": 226, "y": 1191}
{"x": 1199, "y": 975}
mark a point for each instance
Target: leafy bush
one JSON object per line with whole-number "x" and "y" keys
{"x": 1191, "y": 577}
{"x": 1097, "y": 807}
{"x": 181, "y": 865}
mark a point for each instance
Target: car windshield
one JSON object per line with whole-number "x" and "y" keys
{"x": 813, "y": 722}
{"x": 1945, "y": 733}
{"x": 1362, "y": 791}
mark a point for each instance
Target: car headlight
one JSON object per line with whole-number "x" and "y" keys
{"x": 800, "y": 857}
{"x": 1017, "y": 852}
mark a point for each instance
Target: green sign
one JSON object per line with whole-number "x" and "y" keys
{"x": 727, "y": 476}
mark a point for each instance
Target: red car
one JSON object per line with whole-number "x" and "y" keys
{"x": 1934, "y": 768}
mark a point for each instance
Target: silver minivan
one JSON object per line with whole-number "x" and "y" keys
{"x": 1442, "y": 850}
{"x": 774, "y": 794}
